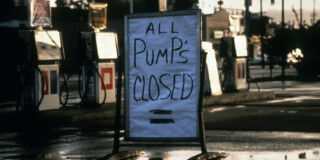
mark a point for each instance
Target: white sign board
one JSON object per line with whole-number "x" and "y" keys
{"x": 48, "y": 45}
{"x": 162, "y": 76}
{"x": 240, "y": 43}
{"x": 212, "y": 67}
{"x": 107, "y": 45}
{"x": 207, "y": 6}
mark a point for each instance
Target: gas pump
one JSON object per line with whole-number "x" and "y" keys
{"x": 98, "y": 69}
{"x": 39, "y": 65}
{"x": 234, "y": 51}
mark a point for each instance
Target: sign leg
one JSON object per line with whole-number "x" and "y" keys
{"x": 200, "y": 114}
{"x": 204, "y": 155}
{"x": 116, "y": 143}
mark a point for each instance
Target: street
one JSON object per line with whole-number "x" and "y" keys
{"x": 85, "y": 142}
{"x": 285, "y": 128}
{"x": 160, "y": 80}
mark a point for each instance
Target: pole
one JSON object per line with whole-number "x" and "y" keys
{"x": 261, "y": 35}
{"x": 314, "y": 11}
{"x": 247, "y": 18}
{"x": 200, "y": 113}
{"x": 116, "y": 138}
{"x": 282, "y": 15}
{"x": 204, "y": 27}
{"x": 301, "y": 14}
{"x": 131, "y": 6}
{"x": 283, "y": 54}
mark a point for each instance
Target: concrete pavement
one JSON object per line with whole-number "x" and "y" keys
{"x": 76, "y": 114}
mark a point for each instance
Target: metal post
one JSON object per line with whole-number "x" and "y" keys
{"x": 282, "y": 30}
{"x": 204, "y": 27}
{"x": 116, "y": 139}
{"x": 301, "y": 14}
{"x": 282, "y": 14}
{"x": 314, "y": 12}
{"x": 261, "y": 35}
{"x": 200, "y": 113}
{"x": 131, "y": 6}
{"x": 247, "y": 18}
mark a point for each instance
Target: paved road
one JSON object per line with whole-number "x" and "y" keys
{"x": 85, "y": 141}
{"x": 287, "y": 128}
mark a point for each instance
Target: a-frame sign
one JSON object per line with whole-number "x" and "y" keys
{"x": 164, "y": 73}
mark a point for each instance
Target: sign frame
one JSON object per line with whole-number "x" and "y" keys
{"x": 126, "y": 73}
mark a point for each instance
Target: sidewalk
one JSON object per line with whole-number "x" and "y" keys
{"x": 65, "y": 116}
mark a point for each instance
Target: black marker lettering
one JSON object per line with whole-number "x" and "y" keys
{"x": 165, "y": 86}
{"x": 134, "y": 88}
{"x": 147, "y": 58}
{"x": 150, "y": 28}
{"x": 164, "y": 53}
{"x": 173, "y": 46}
{"x": 144, "y": 84}
{"x": 174, "y": 85}
{"x": 160, "y": 29}
{"x": 135, "y": 50}
{"x": 150, "y": 90}
{"x": 183, "y": 86}
{"x": 172, "y": 30}
{"x": 180, "y": 54}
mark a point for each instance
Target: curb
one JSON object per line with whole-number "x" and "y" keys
{"x": 240, "y": 97}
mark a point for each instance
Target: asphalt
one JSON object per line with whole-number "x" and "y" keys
{"x": 70, "y": 115}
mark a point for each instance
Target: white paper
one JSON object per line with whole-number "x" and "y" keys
{"x": 107, "y": 45}
{"x": 48, "y": 45}
{"x": 212, "y": 70}
{"x": 175, "y": 78}
{"x": 241, "y": 46}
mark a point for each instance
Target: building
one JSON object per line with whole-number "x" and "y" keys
{"x": 223, "y": 22}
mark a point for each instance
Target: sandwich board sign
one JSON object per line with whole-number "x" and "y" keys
{"x": 162, "y": 76}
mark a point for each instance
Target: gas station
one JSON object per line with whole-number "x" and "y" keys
{"x": 40, "y": 63}
{"x": 95, "y": 59}
{"x": 234, "y": 52}
{"x": 163, "y": 60}
{"x": 100, "y": 50}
